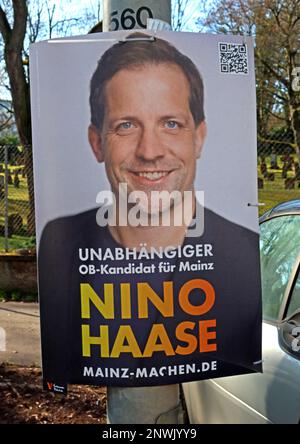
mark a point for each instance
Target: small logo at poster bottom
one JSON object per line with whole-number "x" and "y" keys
{"x": 56, "y": 388}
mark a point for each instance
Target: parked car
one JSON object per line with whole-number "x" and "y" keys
{"x": 274, "y": 395}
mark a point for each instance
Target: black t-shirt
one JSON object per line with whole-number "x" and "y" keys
{"x": 184, "y": 314}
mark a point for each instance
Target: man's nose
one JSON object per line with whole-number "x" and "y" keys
{"x": 150, "y": 146}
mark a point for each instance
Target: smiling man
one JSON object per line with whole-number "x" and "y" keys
{"x": 148, "y": 138}
{"x": 174, "y": 321}
{"x": 147, "y": 126}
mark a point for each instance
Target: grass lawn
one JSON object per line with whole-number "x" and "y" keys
{"x": 274, "y": 192}
{"x": 18, "y": 201}
{"x": 272, "y": 196}
{"x": 14, "y": 242}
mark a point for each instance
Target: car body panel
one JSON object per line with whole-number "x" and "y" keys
{"x": 261, "y": 398}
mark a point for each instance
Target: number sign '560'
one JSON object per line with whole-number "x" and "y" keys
{"x": 130, "y": 18}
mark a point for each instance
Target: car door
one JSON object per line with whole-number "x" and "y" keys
{"x": 273, "y": 396}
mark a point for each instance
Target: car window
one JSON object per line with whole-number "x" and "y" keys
{"x": 279, "y": 248}
{"x": 294, "y": 304}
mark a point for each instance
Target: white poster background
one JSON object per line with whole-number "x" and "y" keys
{"x": 67, "y": 176}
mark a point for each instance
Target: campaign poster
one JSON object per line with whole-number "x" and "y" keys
{"x": 146, "y": 215}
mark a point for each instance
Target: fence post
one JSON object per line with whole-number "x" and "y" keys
{"x": 6, "y": 199}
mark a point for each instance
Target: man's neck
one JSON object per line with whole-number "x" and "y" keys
{"x": 135, "y": 237}
{"x": 153, "y": 236}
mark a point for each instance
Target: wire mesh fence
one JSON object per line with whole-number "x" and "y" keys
{"x": 278, "y": 171}
{"x": 14, "y": 200}
{"x": 278, "y": 168}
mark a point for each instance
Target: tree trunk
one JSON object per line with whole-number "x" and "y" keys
{"x": 13, "y": 40}
{"x": 21, "y": 103}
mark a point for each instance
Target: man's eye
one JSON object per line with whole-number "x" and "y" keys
{"x": 125, "y": 126}
{"x": 171, "y": 124}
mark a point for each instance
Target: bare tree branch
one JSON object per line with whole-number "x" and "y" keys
{"x": 6, "y": 123}
{"x": 35, "y": 24}
{"x": 5, "y": 29}
{"x": 279, "y": 77}
{"x": 7, "y": 108}
{"x": 275, "y": 115}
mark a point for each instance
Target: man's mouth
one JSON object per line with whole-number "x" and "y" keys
{"x": 147, "y": 177}
{"x": 152, "y": 175}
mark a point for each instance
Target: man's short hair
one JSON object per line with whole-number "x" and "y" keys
{"x": 140, "y": 53}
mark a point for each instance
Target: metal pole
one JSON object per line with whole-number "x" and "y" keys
{"x": 6, "y": 198}
{"x": 140, "y": 405}
{"x": 133, "y": 14}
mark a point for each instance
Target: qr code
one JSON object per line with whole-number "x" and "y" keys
{"x": 233, "y": 58}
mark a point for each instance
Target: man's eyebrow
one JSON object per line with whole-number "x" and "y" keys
{"x": 134, "y": 118}
{"x": 175, "y": 116}
{"x": 115, "y": 119}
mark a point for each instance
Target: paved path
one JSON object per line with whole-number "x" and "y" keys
{"x": 21, "y": 324}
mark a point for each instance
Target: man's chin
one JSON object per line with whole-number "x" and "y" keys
{"x": 150, "y": 215}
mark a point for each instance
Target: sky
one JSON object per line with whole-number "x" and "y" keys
{"x": 83, "y": 10}
{"x": 73, "y": 7}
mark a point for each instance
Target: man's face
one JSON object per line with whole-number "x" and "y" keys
{"x": 149, "y": 139}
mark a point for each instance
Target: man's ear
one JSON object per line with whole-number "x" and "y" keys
{"x": 201, "y": 131}
{"x": 96, "y": 142}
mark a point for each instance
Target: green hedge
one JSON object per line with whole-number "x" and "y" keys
{"x": 17, "y": 296}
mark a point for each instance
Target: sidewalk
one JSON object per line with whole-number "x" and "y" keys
{"x": 21, "y": 323}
